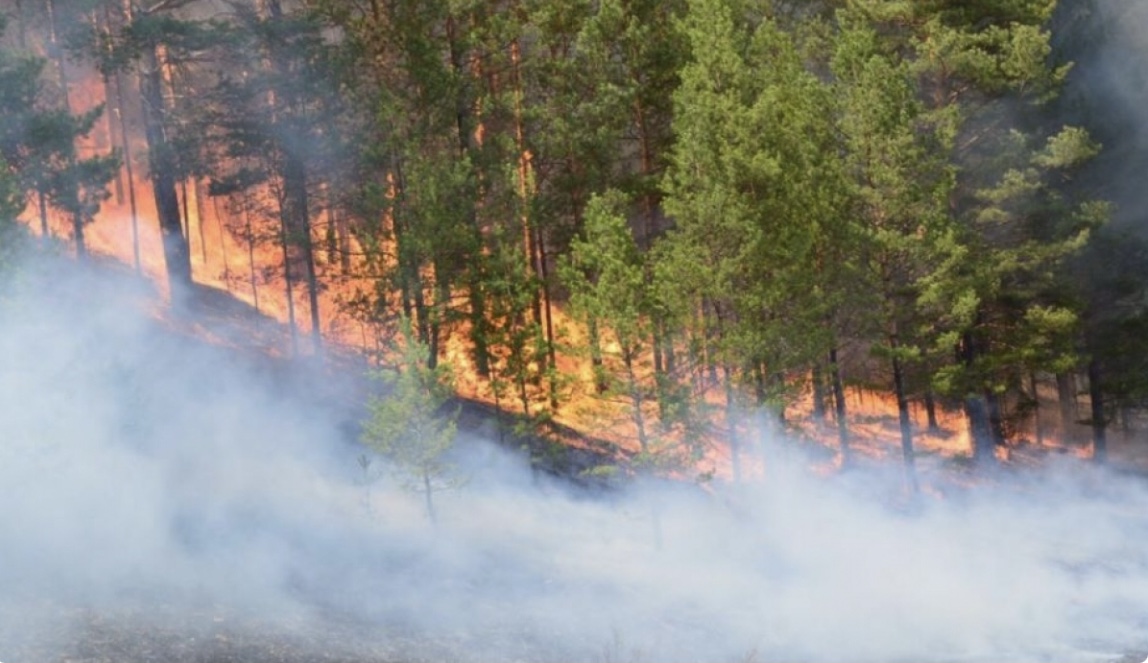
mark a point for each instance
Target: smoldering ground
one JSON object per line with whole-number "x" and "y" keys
{"x": 152, "y": 479}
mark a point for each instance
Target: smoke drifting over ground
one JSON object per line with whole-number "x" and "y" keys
{"x": 144, "y": 474}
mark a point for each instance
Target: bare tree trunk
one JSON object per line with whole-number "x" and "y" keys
{"x": 976, "y": 411}
{"x": 636, "y": 400}
{"x": 596, "y": 363}
{"x": 839, "y": 404}
{"x": 45, "y": 231}
{"x": 297, "y": 223}
{"x": 197, "y": 192}
{"x": 177, "y": 254}
{"x": 1099, "y": 421}
{"x": 285, "y": 244}
{"x": 56, "y": 52}
{"x": 1038, "y": 430}
{"x": 125, "y": 144}
{"x": 931, "y": 412}
{"x": 818, "y": 382}
{"x": 907, "y": 454}
{"x": 251, "y": 256}
{"x": 731, "y": 426}
{"x": 1066, "y": 397}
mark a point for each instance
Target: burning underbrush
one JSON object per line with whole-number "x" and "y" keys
{"x": 166, "y": 499}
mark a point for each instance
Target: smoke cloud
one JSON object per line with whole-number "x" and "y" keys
{"x": 156, "y": 486}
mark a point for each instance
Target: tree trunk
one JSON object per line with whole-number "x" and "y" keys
{"x": 410, "y": 282}
{"x": 297, "y": 221}
{"x": 288, "y": 284}
{"x": 731, "y": 426}
{"x": 464, "y": 121}
{"x": 78, "y": 234}
{"x": 1066, "y": 398}
{"x": 996, "y": 417}
{"x": 251, "y": 256}
{"x": 818, "y": 382}
{"x": 547, "y": 306}
{"x": 197, "y": 192}
{"x": 45, "y": 231}
{"x": 125, "y": 145}
{"x": 978, "y": 421}
{"x": 177, "y": 255}
{"x": 113, "y": 101}
{"x": 931, "y": 412}
{"x": 596, "y": 363}
{"x": 55, "y": 51}
{"x": 976, "y": 411}
{"x": 907, "y": 455}
{"x": 1099, "y": 421}
{"x": 530, "y": 236}
{"x": 1038, "y": 431}
{"x": 636, "y": 400}
{"x": 839, "y": 404}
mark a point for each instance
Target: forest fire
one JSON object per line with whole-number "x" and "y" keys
{"x": 697, "y": 330}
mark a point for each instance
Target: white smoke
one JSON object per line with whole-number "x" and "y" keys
{"x": 148, "y": 477}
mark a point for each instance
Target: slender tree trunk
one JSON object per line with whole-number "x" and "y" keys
{"x": 407, "y": 268}
{"x": 185, "y": 211}
{"x": 731, "y": 426}
{"x": 636, "y": 400}
{"x": 839, "y": 405}
{"x": 45, "y": 230}
{"x": 596, "y": 363}
{"x": 978, "y": 421}
{"x": 112, "y": 98}
{"x": 125, "y": 144}
{"x": 57, "y": 54}
{"x": 1099, "y": 421}
{"x": 1066, "y": 397}
{"x": 197, "y": 192}
{"x": 996, "y": 417}
{"x": 289, "y": 286}
{"x": 548, "y": 315}
{"x": 931, "y": 412}
{"x": 1038, "y": 430}
{"x": 465, "y": 126}
{"x": 342, "y": 235}
{"x": 777, "y": 381}
{"x": 78, "y": 233}
{"x": 818, "y": 382}
{"x": 976, "y": 411}
{"x": 222, "y": 242}
{"x": 297, "y": 221}
{"x": 250, "y": 232}
{"x": 908, "y": 456}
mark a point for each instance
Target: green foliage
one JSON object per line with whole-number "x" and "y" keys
{"x": 411, "y": 425}
{"x": 606, "y": 275}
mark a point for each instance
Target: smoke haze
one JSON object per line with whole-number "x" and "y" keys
{"x": 150, "y": 476}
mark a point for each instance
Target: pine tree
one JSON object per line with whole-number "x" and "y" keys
{"x": 978, "y": 67}
{"x": 410, "y": 424}
{"x": 900, "y": 189}
{"x": 38, "y": 142}
{"x": 748, "y": 187}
